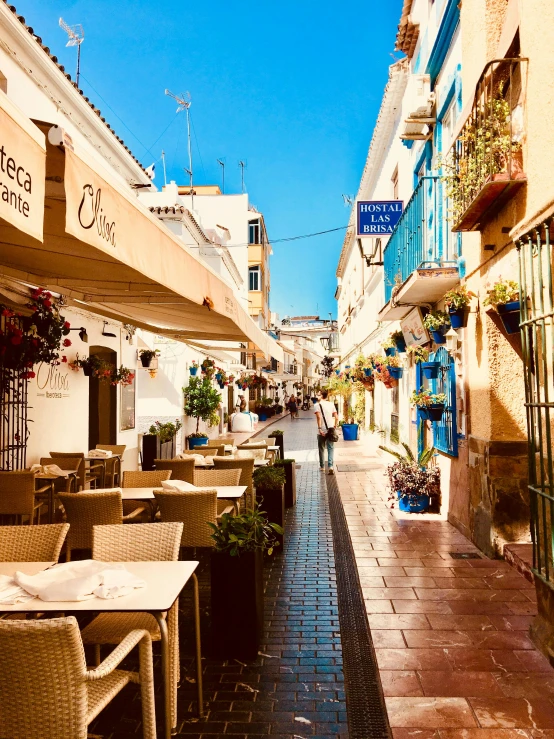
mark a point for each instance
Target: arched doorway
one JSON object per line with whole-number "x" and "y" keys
{"x": 102, "y": 404}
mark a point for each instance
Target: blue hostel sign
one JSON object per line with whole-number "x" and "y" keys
{"x": 378, "y": 217}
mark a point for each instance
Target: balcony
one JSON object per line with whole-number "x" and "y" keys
{"x": 485, "y": 165}
{"x": 420, "y": 259}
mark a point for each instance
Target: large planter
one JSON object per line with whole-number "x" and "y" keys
{"x": 349, "y": 431}
{"x": 262, "y": 416}
{"x": 237, "y": 591}
{"x": 509, "y": 315}
{"x": 438, "y": 336}
{"x": 458, "y": 318}
{"x": 430, "y": 370}
{"x": 193, "y": 370}
{"x": 273, "y": 503}
{"x": 290, "y": 482}
{"x": 432, "y": 412}
{"x": 414, "y": 503}
{"x": 153, "y": 449}
{"x": 197, "y": 442}
{"x": 145, "y": 360}
{"x": 396, "y": 372}
{"x": 280, "y": 442}
{"x": 391, "y": 351}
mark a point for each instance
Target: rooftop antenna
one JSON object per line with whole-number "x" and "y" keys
{"x": 76, "y": 37}
{"x": 163, "y": 162}
{"x": 184, "y": 103}
{"x": 221, "y": 163}
{"x": 242, "y": 165}
{"x": 348, "y": 200}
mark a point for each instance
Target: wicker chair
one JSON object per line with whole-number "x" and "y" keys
{"x": 18, "y": 495}
{"x": 246, "y": 467}
{"x": 113, "y": 465}
{"x": 139, "y": 479}
{"x": 63, "y": 484}
{"x": 181, "y": 469}
{"x": 87, "y": 510}
{"x": 194, "y": 508}
{"x": 216, "y": 478}
{"x": 32, "y": 543}
{"x": 216, "y": 449}
{"x": 141, "y": 543}
{"x": 86, "y": 475}
{"x": 46, "y": 689}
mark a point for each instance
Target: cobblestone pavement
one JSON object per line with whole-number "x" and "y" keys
{"x": 451, "y": 637}
{"x": 295, "y": 689}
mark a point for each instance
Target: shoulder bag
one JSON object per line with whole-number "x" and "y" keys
{"x": 331, "y": 434}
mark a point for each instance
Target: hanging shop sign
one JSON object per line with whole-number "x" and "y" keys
{"x": 413, "y": 330}
{"x": 378, "y": 217}
{"x": 22, "y": 170}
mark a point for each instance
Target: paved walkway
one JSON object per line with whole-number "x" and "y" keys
{"x": 450, "y": 634}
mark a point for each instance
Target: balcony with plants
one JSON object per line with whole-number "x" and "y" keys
{"x": 421, "y": 256}
{"x": 484, "y": 168}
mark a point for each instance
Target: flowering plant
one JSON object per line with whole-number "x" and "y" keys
{"x": 458, "y": 298}
{"x": 502, "y": 292}
{"x": 435, "y": 319}
{"x": 426, "y": 398}
{"x": 419, "y": 353}
{"x": 89, "y": 364}
{"x": 208, "y": 367}
{"x": 26, "y": 340}
{"x": 121, "y": 376}
{"x": 166, "y": 431}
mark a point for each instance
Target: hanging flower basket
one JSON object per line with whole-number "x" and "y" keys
{"x": 368, "y": 371}
{"x": 509, "y": 315}
{"x": 431, "y": 370}
{"x": 390, "y": 351}
{"x": 438, "y": 336}
{"x": 396, "y": 372}
{"x": 458, "y": 317}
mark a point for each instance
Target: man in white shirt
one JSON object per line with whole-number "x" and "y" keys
{"x": 326, "y": 415}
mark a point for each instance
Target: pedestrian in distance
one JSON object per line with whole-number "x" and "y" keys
{"x": 293, "y": 407}
{"x": 327, "y": 417}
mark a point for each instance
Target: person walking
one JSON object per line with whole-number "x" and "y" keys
{"x": 327, "y": 417}
{"x": 293, "y": 407}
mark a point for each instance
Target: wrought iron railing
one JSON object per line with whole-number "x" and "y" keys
{"x": 14, "y": 430}
{"x": 487, "y": 151}
{"x": 421, "y": 238}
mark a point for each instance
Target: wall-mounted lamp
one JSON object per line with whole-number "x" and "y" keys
{"x": 107, "y": 333}
{"x": 451, "y": 337}
{"x": 82, "y": 333}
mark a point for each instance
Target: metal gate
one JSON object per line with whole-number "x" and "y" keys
{"x": 537, "y": 336}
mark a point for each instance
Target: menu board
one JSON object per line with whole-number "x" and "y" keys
{"x": 127, "y": 412}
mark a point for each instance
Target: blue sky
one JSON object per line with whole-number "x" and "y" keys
{"x": 292, "y": 87}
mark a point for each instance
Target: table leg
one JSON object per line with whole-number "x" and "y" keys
{"x": 164, "y": 640}
{"x": 51, "y": 502}
{"x": 198, "y": 647}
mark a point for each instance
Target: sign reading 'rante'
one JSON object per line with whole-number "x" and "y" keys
{"x": 378, "y": 217}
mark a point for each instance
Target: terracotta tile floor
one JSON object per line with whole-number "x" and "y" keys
{"x": 451, "y": 635}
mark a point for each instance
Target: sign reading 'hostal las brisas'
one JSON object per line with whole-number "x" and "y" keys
{"x": 378, "y": 217}
{"x": 22, "y": 170}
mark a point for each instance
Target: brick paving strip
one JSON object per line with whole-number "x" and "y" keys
{"x": 450, "y": 634}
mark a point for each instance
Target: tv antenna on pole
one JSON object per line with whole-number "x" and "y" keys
{"x": 221, "y": 163}
{"x": 76, "y": 37}
{"x": 242, "y": 165}
{"x": 348, "y": 200}
{"x": 184, "y": 102}
{"x": 163, "y": 161}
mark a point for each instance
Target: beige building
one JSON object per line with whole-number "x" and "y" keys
{"x": 259, "y": 251}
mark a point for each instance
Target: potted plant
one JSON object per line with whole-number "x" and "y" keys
{"x": 430, "y": 405}
{"x": 381, "y": 372}
{"x": 504, "y": 298}
{"x": 413, "y": 483}
{"x": 89, "y": 365}
{"x": 208, "y": 367}
{"x": 201, "y": 402}
{"x": 147, "y": 355}
{"x": 457, "y": 302}
{"x": 399, "y": 340}
{"x": 389, "y": 345}
{"x": 237, "y": 579}
{"x": 418, "y": 353}
{"x": 193, "y": 369}
{"x": 159, "y": 442}
{"x": 394, "y": 367}
{"x": 269, "y": 484}
{"x": 289, "y": 467}
{"x": 437, "y": 322}
{"x": 121, "y": 376}
{"x": 279, "y": 437}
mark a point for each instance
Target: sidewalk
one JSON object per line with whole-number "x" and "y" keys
{"x": 450, "y": 634}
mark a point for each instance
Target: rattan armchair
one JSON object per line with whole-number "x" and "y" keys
{"x": 216, "y": 478}
{"x": 194, "y": 508}
{"x": 18, "y": 495}
{"x": 32, "y": 543}
{"x": 86, "y": 510}
{"x": 113, "y": 464}
{"x": 147, "y": 542}
{"x": 246, "y": 467}
{"x": 46, "y": 690}
{"x": 142, "y": 479}
{"x": 90, "y": 475}
{"x": 203, "y": 451}
{"x": 181, "y": 469}
{"x": 216, "y": 449}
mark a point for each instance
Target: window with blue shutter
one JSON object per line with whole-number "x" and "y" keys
{"x": 445, "y": 431}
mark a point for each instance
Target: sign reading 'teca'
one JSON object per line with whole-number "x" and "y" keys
{"x": 378, "y": 217}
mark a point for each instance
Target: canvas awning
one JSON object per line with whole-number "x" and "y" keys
{"x": 104, "y": 249}
{"x": 22, "y": 170}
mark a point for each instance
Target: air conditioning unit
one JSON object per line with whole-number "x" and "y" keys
{"x": 422, "y": 104}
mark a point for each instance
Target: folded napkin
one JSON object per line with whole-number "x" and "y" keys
{"x": 10, "y": 592}
{"x": 48, "y": 469}
{"x": 177, "y": 486}
{"x": 74, "y": 581}
{"x": 100, "y": 453}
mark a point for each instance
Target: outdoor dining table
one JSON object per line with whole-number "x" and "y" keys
{"x": 51, "y": 479}
{"x": 164, "y": 583}
{"x": 103, "y": 461}
{"x": 225, "y": 492}
{"x": 257, "y": 463}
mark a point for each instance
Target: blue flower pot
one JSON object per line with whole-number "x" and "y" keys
{"x": 430, "y": 370}
{"x": 458, "y": 318}
{"x": 438, "y": 337}
{"x": 367, "y": 372}
{"x": 337, "y": 372}
{"x": 349, "y": 431}
{"x": 414, "y": 503}
{"x": 509, "y": 315}
{"x": 218, "y": 376}
{"x": 197, "y": 442}
{"x": 391, "y": 351}
{"x": 423, "y": 413}
{"x": 263, "y": 417}
{"x": 401, "y": 345}
{"x": 396, "y": 372}
{"x": 193, "y": 370}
